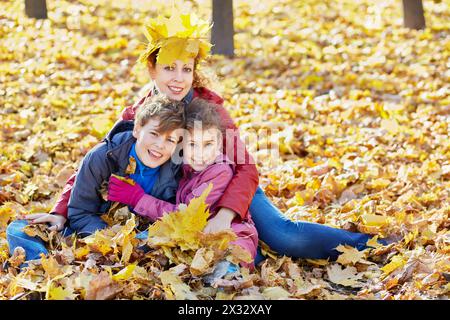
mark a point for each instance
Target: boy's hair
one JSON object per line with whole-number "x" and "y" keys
{"x": 200, "y": 110}
{"x": 170, "y": 113}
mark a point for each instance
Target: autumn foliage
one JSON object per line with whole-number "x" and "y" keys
{"x": 357, "y": 106}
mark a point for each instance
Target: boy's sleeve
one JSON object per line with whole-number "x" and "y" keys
{"x": 85, "y": 200}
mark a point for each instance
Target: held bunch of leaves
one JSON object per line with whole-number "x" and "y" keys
{"x": 357, "y": 106}
{"x": 180, "y": 236}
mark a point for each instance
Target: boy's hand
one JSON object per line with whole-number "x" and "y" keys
{"x": 122, "y": 190}
{"x": 56, "y": 221}
{"x": 221, "y": 221}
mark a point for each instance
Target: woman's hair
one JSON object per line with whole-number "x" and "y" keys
{"x": 200, "y": 110}
{"x": 200, "y": 80}
{"x": 170, "y": 113}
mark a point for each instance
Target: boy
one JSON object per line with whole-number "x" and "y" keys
{"x": 150, "y": 140}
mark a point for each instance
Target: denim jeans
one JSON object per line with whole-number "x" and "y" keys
{"x": 34, "y": 246}
{"x": 298, "y": 239}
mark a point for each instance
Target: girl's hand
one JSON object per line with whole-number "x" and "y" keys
{"x": 56, "y": 221}
{"x": 221, "y": 221}
{"x": 120, "y": 190}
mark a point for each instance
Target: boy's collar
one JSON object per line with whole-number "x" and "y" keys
{"x": 140, "y": 166}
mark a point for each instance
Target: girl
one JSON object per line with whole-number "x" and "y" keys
{"x": 204, "y": 163}
{"x": 179, "y": 79}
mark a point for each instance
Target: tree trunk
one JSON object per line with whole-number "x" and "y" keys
{"x": 413, "y": 16}
{"x": 222, "y": 31}
{"x": 36, "y": 9}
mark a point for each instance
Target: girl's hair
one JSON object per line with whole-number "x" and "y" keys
{"x": 170, "y": 113}
{"x": 200, "y": 110}
{"x": 200, "y": 80}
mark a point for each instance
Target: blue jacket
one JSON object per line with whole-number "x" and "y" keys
{"x": 111, "y": 156}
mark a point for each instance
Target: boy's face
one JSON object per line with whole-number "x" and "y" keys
{"x": 201, "y": 147}
{"x": 174, "y": 80}
{"x": 152, "y": 147}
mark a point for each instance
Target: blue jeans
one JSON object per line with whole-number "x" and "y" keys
{"x": 34, "y": 246}
{"x": 298, "y": 239}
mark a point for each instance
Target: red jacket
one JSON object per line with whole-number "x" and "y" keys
{"x": 239, "y": 193}
{"x": 192, "y": 185}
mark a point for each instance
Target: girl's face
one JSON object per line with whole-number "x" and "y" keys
{"x": 152, "y": 147}
{"x": 174, "y": 80}
{"x": 201, "y": 147}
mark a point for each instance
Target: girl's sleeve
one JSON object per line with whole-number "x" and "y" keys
{"x": 242, "y": 187}
{"x": 219, "y": 175}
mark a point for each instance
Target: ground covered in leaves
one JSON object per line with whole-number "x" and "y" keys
{"x": 358, "y": 107}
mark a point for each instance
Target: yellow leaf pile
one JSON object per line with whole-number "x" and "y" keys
{"x": 345, "y": 112}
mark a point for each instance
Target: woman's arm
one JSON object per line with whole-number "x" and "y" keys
{"x": 240, "y": 191}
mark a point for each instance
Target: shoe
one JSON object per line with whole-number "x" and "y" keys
{"x": 222, "y": 269}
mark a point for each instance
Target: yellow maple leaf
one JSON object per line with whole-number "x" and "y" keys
{"x": 127, "y": 249}
{"x": 396, "y": 262}
{"x": 219, "y": 240}
{"x": 125, "y": 179}
{"x": 81, "y": 252}
{"x": 349, "y": 255}
{"x": 175, "y": 288}
{"x": 131, "y": 168}
{"x": 275, "y": 293}
{"x": 374, "y": 220}
{"x": 99, "y": 242}
{"x": 51, "y": 266}
{"x": 59, "y": 293}
{"x": 203, "y": 262}
{"x": 373, "y": 242}
{"x": 182, "y": 228}
{"x": 125, "y": 273}
{"x": 6, "y": 214}
{"x": 348, "y": 276}
{"x": 238, "y": 254}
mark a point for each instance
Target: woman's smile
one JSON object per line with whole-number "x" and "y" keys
{"x": 176, "y": 89}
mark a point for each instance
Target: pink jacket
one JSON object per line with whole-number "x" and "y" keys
{"x": 192, "y": 185}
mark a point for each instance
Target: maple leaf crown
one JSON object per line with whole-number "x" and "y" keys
{"x": 180, "y": 37}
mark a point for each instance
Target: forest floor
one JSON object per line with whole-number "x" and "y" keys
{"x": 356, "y": 107}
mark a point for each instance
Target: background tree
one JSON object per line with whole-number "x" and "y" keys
{"x": 36, "y": 9}
{"x": 222, "y": 31}
{"x": 413, "y": 16}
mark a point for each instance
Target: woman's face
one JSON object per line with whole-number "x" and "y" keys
{"x": 152, "y": 147}
{"x": 174, "y": 80}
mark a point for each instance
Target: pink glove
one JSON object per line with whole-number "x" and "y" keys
{"x": 123, "y": 192}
